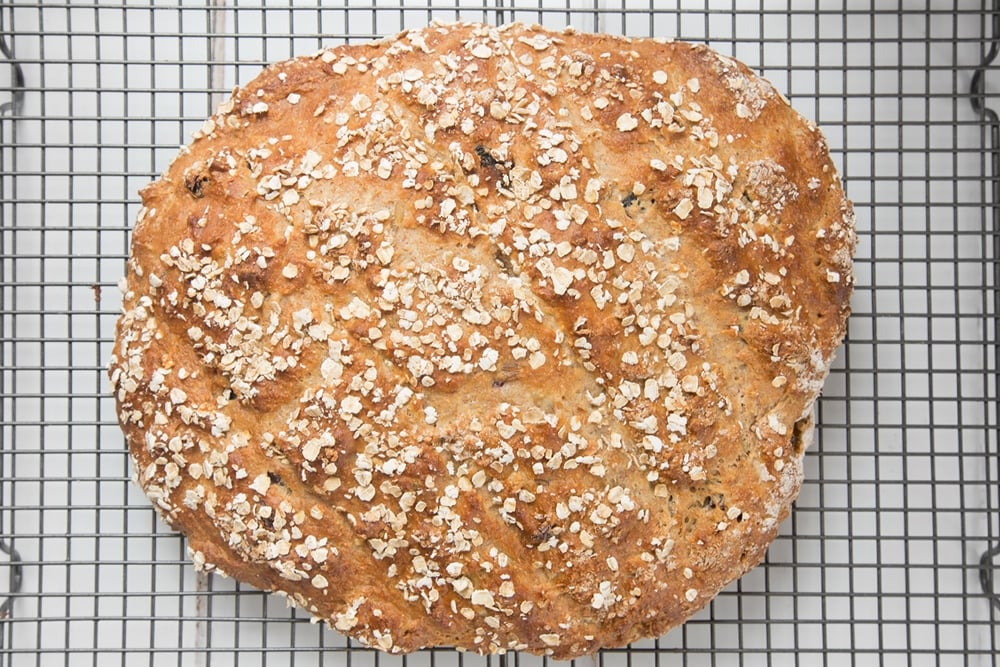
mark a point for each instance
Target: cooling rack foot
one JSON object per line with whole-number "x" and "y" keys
{"x": 987, "y": 569}
{"x": 17, "y": 79}
{"x": 13, "y": 578}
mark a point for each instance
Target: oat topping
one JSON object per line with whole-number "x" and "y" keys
{"x": 459, "y": 355}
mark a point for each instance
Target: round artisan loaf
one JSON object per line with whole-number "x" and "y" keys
{"x": 495, "y": 338}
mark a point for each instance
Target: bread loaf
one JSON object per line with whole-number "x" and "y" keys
{"x": 494, "y": 338}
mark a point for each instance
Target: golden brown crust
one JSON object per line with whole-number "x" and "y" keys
{"x": 493, "y": 338}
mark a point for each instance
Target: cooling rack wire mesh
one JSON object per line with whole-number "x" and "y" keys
{"x": 890, "y": 555}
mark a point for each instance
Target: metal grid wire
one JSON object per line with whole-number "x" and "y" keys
{"x": 892, "y": 548}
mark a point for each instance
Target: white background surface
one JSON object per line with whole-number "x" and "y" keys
{"x": 875, "y": 567}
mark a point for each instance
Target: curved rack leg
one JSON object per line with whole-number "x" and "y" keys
{"x": 14, "y": 578}
{"x": 977, "y": 95}
{"x": 13, "y": 108}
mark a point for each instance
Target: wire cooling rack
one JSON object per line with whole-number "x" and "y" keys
{"x": 891, "y": 554}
